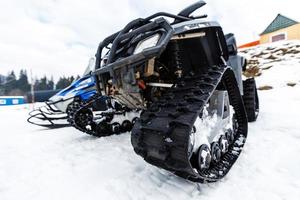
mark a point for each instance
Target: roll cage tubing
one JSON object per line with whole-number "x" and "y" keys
{"x": 136, "y": 27}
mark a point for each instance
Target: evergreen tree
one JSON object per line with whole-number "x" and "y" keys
{"x": 71, "y": 79}
{"x": 2, "y": 85}
{"x": 11, "y": 77}
{"x": 11, "y": 83}
{"x": 63, "y": 82}
{"x": 50, "y": 84}
{"x": 41, "y": 84}
{"x": 22, "y": 82}
{"x": 21, "y": 86}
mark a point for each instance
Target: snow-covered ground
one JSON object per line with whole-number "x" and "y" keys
{"x": 41, "y": 164}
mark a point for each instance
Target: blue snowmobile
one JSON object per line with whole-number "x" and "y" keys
{"x": 55, "y": 113}
{"x": 68, "y": 107}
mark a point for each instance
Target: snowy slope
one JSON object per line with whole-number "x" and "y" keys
{"x": 37, "y": 163}
{"x": 279, "y": 62}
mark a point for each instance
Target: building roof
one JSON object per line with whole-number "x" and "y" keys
{"x": 278, "y": 23}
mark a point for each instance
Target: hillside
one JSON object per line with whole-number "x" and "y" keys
{"x": 276, "y": 65}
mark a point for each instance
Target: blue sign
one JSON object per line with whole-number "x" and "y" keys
{"x": 11, "y": 100}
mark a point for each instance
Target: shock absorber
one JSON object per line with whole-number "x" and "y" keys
{"x": 176, "y": 58}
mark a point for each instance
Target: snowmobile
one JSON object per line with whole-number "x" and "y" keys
{"x": 62, "y": 109}
{"x": 55, "y": 113}
{"x": 175, "y": 77}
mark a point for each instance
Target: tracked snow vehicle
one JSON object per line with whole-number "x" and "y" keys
{"x": 193, "y": 120}
{"x": 56, "y": 111}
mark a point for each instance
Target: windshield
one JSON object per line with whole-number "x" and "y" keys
{"x": 90, "y": 67}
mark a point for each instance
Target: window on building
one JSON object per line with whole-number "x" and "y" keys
{"x": 278, "y": 37}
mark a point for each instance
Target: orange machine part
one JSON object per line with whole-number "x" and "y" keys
{"x": 250, "y": 44}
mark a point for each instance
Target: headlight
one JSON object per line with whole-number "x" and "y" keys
{"x": 147, "y": 43}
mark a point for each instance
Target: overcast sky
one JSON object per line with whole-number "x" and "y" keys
{"x": 57, "y": 37}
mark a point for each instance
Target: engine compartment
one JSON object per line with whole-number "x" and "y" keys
{"x": 185, "y": 55}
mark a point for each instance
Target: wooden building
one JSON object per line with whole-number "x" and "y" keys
{"x": 281, "y": 28}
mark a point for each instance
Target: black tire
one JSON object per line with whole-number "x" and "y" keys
{"x": 251, "y": 100}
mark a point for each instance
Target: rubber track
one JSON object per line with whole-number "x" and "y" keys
{"x": 161, "y": 136}
{"x": 93, "y": 131}
{"x": 250, "y": 98}
{"x": 78, "y": 107}
{"x": 72, "y": 108}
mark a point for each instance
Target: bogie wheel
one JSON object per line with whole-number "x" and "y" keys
{"x": 204, "y": 157}
{"x": 126, "y": 126}
{"x": 103, "y": 129}
{"x": 216, "y": 152}
{"x": 116, "y": 128}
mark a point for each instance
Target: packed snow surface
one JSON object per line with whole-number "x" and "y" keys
{"x": 42, "y": 164}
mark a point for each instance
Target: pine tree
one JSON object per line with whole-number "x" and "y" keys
{"x": 11, "y": 76}
{"x": 22, "y": 82}
{"x": 71, "y": 79}
{"x": 21, "y": 86}
{"x": 50, "y": 84}
{"x": 63, "y": 82}
{"x": 41, "y": 84}
{"x": 11, "y": 83}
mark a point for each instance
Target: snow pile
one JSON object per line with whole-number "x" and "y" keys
{"x": 278, "y": 63}
{"x": 37, "y": 163}
{"x": 274, "y": 52}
